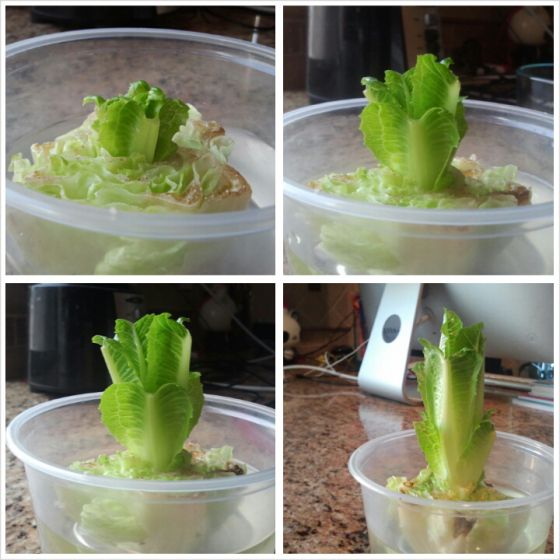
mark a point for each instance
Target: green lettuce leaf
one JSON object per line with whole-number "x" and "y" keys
{"x": 414, "y": 123}
{"x": 90, "y": 164}
{"x": 155, "y": 400}
{"x": 455, "y": 433}
{"x": 143, "y": 121}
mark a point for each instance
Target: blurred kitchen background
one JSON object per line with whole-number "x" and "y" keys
{"x": 347, "y": 346}
{"x": 249, "y": 23}
{"x": 325, "y": 322}
{"x": 502, "y": 54}
{"x": 49, "y": 328}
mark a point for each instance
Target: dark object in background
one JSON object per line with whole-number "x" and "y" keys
{"x": 95, "y": 16}
{"x": 62, "y": 320}
{"x": 347, "y": 43}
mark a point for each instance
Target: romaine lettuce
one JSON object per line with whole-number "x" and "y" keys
{"x": 413, "y": 123}
{"x": 455, "y": 433}
{"x": 154, "y": 403}
{"x": 456, "y": 436}
{"x": 140, "y": 151}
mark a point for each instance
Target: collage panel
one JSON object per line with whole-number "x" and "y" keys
{"x": 418, "y": 139}
{"x": 144, "y": 417}
{"x": 140, "y": 139}
{"x": 418, "y": 418}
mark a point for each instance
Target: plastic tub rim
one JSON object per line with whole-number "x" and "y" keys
{"x": 259, "y": 480}
{"x": 422, "y": 216}
{"x": 522, "y": 71}
{"x": 165, "y": 225}
{"x": 449, "y": 505}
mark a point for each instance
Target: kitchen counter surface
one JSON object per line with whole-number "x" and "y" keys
{"x": 294, "y": 100}
{"x": 228, "y": 21}
{"x": 177, "y": 69}
{"x": 21, "y": 527}
{"x": 324, "y": 422}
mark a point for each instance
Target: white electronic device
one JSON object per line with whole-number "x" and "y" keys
{"x": 383, "y": 369}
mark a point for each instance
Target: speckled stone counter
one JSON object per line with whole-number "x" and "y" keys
{"x": 21, "y": 534}
{"x": 231, "y": 22}
{"x": 324, "y": 422}
{"x": 294, "y": 100}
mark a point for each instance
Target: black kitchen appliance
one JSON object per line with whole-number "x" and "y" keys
{"x": 62, "y": 320}
{"x": 346, "y": 43}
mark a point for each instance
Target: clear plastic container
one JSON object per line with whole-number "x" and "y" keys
{"x": 228, "y": 80}
{"x": 397, "y": 523}
{"x": 535, "y": 86}
{"x": 83, "y": 513}
{"x": 328, "y": 234}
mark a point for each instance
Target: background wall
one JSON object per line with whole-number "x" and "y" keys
{"x": 255, "y": 308}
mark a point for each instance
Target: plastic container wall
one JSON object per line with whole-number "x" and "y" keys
{"x": 403, "y": 524}
{"x": 82, "y": 513}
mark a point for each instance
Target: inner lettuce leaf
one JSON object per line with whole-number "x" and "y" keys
{"x": 414, "y": 122}
{"x": 138, "y": 152}
{"x": 455, "y": 434}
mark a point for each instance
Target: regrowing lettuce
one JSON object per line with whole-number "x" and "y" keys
{"x": 151, "y": 408}
{"x": 413, "y": 124}
{"x": 455, "y": 433}
{"x": 140, "y": 151}
{"x": 153, "y": 404}
{"x": 456, "y": 436}
{"x": 143, "y": 121}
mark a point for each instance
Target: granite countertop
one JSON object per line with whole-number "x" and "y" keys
{"x": 324, "y": 422}
{"x": 21, "y": 533}
{"x": 182, "y": 71}
{"x": 21, "y": 526}
{"x": 228, "y": 21}
{"x": 295, "y": 99}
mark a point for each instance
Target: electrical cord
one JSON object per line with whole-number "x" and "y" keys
{"x": 324, "y": 370}
{"x": 330, "y": 369}
{"x": 350, "y": 353}
{"x": 248, "y": 388}
{"x": 325, "y": 395}
{"x": 261, "y": 359}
